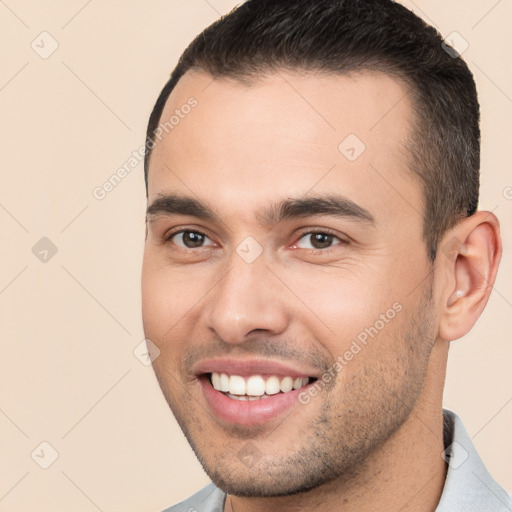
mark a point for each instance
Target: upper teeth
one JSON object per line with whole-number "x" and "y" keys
{"x": 255, "y": 385}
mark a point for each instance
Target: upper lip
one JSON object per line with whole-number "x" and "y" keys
{"x": 247, "y": 367}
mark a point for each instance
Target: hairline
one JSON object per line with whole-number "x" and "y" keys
{"x": 416, "y": 121}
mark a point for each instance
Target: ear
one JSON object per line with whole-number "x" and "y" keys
{"x": 469, "y": 254}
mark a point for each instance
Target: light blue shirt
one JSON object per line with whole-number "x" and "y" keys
{"x": 468, "y": 486}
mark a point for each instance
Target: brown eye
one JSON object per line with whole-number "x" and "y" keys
{"x": 317, "y": 240}
{"x": 189, "y": 239}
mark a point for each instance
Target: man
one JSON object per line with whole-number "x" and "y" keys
{"x": 313, "y": 245}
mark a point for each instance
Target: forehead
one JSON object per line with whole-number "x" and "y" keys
{"x": 284, "y": 135}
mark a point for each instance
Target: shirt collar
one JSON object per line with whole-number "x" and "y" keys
{"x": 468, "y": 485}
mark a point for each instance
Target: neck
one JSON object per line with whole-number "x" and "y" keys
{"x": 407, "y": 472}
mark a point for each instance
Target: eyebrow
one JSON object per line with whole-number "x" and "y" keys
{"x": 332, "y": 205}
{"x": 171, "y": 204}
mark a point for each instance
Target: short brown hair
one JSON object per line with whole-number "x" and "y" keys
{"x": 340, "y": 36}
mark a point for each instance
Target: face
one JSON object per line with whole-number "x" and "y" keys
{"x": 285, "y": 275}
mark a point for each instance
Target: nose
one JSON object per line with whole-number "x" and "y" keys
{"x": 246, "y": 300}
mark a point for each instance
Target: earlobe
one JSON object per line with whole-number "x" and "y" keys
{"x": 470, "y": 259}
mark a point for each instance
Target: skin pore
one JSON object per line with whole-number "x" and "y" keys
{"x": 371, "y": 438}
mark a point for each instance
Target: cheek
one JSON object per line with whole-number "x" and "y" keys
{"x": 162, "y": 299}
{"x": 171, "y": 298}
{"x": 163, "y": 314}
{"x": 342, "y": 303}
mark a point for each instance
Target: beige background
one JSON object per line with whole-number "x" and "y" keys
{"x": 68, "y": 375}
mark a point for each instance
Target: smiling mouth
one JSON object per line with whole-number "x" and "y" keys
{"x": 255, "y": 387}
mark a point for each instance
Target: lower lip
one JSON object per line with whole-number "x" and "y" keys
{"x": 248, "y": 412}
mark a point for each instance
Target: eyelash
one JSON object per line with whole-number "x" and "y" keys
{"x": 324, "y": 231}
